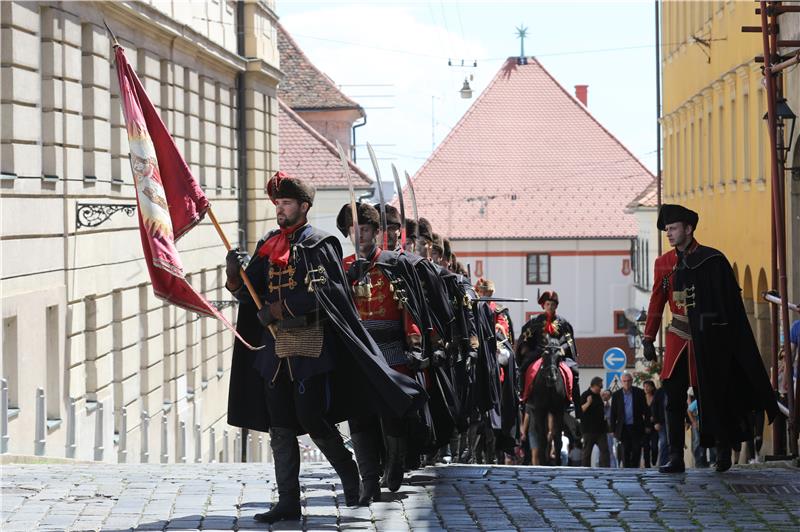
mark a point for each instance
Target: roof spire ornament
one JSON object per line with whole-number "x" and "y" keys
{"x": 522, "y": 32}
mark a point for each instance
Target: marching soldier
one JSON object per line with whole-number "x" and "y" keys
{"x": 393, "y": 224}
{"x": 412, "y": 234}
{"x": 708, "y": 344}
{"x": 502, "y": 318}
{"x": 381, "y": 297}
{"x": 508, "y": 434}
{"x": 317, "y": 365}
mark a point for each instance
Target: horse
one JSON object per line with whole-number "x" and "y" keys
{"x": 550, "y": 399}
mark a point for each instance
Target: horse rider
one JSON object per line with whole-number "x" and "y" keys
{"x": 534, "y": 338}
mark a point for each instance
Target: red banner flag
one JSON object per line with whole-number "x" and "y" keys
{"x": 170, "y": 200}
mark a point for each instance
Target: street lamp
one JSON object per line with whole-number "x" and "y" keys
{"x": 782, "y": 113}
{"x": 466, "y": 90}
{"x": 637, "y": 320}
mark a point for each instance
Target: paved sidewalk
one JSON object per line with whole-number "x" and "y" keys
{"x": 458, "y": 498}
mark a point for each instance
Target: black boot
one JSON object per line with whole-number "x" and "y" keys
{"x": 723, "y": 458}
{"x": 675, "y": 436}
{"x": 395, "y": 458}
{"x": 286, "y": 455}
{"x": 365, "y": 445}
{"x": 342, "y": 461}
{"x": 675, "y": 465}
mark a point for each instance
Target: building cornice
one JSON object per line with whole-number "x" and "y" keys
{"x": 139, "y": 18}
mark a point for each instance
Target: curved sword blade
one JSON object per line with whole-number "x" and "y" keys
{"x": 399, "y": 190}
{"x": 380, "y": 193}
{"x": 356, "y": 236}
{"x": 413, "y": 197}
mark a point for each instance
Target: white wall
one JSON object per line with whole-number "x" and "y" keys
{"x": 80, "y": 320}
{"x": 587, "y": 274}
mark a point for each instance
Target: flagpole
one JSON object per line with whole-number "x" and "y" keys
{"x": 227, "y": 244}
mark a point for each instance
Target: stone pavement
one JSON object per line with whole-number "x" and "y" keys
{"x": 459, "y": 498}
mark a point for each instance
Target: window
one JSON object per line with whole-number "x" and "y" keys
{"x": 734, "y": 145}
{"x": 538, "y": 268}
{"x": 721, "y": 142}
{"x": 709, "y": 152}
{"x": 746, "y": 137}
{"x": 621, "y": 323}
{"x": 53, "y": 372}
{"x": 701, "y": 167}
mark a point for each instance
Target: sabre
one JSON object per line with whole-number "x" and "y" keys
{"x": 356, "y": 236}
{"x": 402, "y": 208}
{"x": 380, "y": 194}
{"x": 503, "y": 299}
{"x": 413, "y": 198}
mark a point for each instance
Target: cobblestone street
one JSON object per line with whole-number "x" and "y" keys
{"x": 460, "y": 498}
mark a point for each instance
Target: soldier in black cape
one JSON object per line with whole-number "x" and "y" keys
{"x": 389, "y": 300}
{"x": 318, "y": 365}
{"x": 444, "y": 403}
{"x": 720, "y": 356}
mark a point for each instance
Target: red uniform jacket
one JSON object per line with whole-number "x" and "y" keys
{"x": 381, "y": 305}
{"x": 675, "y": 342}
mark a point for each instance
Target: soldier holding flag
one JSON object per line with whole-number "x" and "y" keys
{"x": 318, "y": 365}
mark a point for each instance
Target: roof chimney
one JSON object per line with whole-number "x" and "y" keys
{"x": 582, "y": 94}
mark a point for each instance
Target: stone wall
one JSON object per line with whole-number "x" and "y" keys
{"x": 95, "y": 366}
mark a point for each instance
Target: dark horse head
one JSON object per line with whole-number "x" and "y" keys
{"x": 549, "y": 399}
{"x": 549, "y": 388}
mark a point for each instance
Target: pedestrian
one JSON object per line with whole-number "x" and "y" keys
{"x": 709, "y": 342}
{"x": 628, "y": 413}
{"x": 698, "y": 451}
{"x": 659, "y": 412}
{"x": 613, "y": 462}
{"x": 593, "y": 424}
{"x": 650, "y": 441}
{"x": 575, "y": 454}
{"x": 317, "y": 365}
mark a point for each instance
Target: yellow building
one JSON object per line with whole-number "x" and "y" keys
{"x": 716, "y": 145}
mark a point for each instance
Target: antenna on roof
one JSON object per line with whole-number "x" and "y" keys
{"x": 522, "y": 32}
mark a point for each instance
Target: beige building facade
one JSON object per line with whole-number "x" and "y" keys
{"x": 94, "y": 367}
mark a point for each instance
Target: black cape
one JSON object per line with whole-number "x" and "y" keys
{"x": 732, "y": 380}
{"x": 362, "y": 382}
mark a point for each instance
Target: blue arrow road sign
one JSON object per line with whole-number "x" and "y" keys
{"x": 614, "y": 359}
{"x": 612, "y": 376}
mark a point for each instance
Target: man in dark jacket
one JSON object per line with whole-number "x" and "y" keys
{"x": 593, "y": 424}
{"x": 317, "y": 364}
{"x": 709, "y": 343}
{"x": 628, "y": 412}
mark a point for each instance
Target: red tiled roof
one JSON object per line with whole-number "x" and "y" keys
{"x": 305, "y": 87}
{"x": 591, "y": 350}
{"x": 304, "y": 153}
{"x": 646, "y": 198}
{"x": 528, "y": 160}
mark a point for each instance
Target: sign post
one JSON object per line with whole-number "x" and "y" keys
{"x": 614, "y": 361}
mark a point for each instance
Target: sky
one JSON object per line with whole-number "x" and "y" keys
{"x": 392, "y": 58}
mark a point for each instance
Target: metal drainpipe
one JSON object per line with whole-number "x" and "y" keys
{"x": 241, "y": 135}
{"x": 353, "y": 150}
{"x": 241, "y": 131}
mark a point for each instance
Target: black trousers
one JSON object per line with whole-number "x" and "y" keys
{"x": 676, "y": 387}
{"x": 650, "y": 447}
{"x": 300, "y": 405}
{"x": 590, "y": 439}
{"x": 631, "y": 446}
